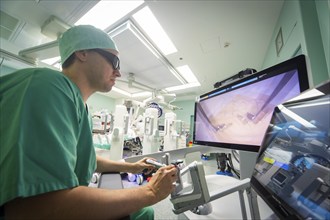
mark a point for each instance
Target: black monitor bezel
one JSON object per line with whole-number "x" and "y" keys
{"x": 280, "y": 207}
{"x": 277, "y": 205}
{"x": 298, "y": 63}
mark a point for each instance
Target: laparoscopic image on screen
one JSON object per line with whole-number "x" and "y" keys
{"x": 242, "y": 115}
{"x": 295, "y": 164}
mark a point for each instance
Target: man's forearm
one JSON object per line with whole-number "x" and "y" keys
{"x": 81, "y": 203}
{"x": 105, "y": 165}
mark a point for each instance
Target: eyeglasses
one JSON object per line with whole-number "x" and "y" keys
{"x": 111, "y": 58}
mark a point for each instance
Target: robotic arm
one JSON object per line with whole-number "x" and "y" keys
{"x": 188, "y": 197}
{"x": 183, "y": 201}
{"x": 199, "y": 196}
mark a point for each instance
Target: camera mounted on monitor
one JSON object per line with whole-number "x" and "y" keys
{"x": 239, "y": 75}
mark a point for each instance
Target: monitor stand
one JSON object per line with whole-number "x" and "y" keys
{"x": 247, "y": 161}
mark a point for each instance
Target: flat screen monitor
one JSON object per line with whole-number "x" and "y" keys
{"x": 237, "y": 115}
{"x": 292, "y": 173}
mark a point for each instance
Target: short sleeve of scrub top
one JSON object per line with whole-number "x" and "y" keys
{"x": 46, "y": 141}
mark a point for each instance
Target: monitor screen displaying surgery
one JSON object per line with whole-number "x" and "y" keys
{"x": 237, "y": 116}
{"x": 293, "y": 170}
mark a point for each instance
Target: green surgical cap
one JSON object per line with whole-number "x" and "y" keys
{"x": 84, "y": 37}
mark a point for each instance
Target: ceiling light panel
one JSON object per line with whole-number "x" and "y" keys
{"x": 136, "y": 58}
{"x": 115, "y": 89}
{"x": 106, "y": 12}
{"x": 141, "y": 94}
{"x": 7, "y": 25}
{"x": 182, "y": 87}
{"x": 52, "y": 61}
{"x": 148, "y": 22}
{"x": 187, "y": 74}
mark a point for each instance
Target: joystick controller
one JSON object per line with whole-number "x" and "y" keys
{"x": 155, "y": 163}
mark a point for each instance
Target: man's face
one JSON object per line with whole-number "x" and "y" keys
{"x": 104, "y": 69}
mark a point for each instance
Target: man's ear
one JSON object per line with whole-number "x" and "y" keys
{"x": 81, "y": 55}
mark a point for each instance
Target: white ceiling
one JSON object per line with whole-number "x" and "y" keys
{"x": 200, "y": 30}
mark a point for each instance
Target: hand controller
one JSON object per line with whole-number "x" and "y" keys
{"x": 155, "y": 163}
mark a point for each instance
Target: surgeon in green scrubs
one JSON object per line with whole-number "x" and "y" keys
{"x": 47, "y": 156}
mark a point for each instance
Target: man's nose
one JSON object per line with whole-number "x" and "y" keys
{"x": 117, "y": 72}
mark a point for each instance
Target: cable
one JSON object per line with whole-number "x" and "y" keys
{"x": 235, "y": 154}
{"x": 231, "y": 166}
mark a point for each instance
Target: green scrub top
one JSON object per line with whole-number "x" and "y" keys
{"x": 45, "y": 135}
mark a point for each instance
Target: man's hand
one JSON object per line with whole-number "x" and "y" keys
{"x": 142, "y": 165}
{"x": 162, "y": 182}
